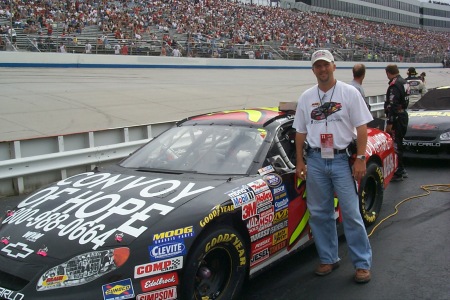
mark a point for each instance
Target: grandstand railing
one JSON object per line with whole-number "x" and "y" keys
{"x": 29, "y": 164}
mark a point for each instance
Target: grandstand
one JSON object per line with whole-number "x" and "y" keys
{"x": 289, "y": 29}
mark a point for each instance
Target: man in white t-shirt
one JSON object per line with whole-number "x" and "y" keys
{"x": 116, "y": 49}
{"x": 88, "y": 47}
{"x": 329, "y": 116}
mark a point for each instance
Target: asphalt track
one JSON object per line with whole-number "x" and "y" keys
{"x": 411, "y": 257}
{"x": 38, "y": 102}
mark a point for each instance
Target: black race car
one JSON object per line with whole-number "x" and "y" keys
{"x": 189, "y": 215}
{"x": 428, "y": 134}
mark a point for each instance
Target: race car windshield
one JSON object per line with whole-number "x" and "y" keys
{"x": 200, "y": 149}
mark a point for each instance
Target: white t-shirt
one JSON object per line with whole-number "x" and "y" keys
{"x": 338, "y": 111}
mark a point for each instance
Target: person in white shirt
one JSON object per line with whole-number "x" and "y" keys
{"x": 176, "y": 52}
{"x": 329, "y": 117}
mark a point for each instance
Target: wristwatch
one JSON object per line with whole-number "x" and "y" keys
{"x": 362, "y": 157}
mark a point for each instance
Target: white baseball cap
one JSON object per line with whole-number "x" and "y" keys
{"x": 322, "y": 55}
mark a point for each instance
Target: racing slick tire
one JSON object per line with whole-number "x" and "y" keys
{"x": 216, "y": 266}
{"x": 371, "y": 190}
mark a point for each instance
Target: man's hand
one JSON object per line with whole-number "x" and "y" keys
{"x": 359, "y": 169}
{"x": 301, "y": 170}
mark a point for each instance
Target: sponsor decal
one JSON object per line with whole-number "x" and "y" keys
{"x": 158, "y": 267}
{"x": 10, "y": 295}
{"x": 278, "y": 226}
{"x": 281, "y": 203}
{"x": 89, "y": 204}
{"x": 241, "y": 196}
{"x": 258, "y": 186}
{"x": 159, "y": 282}
{"x": 277, "y": 247}
{"x": 173, "y": 235}
{"x": 32, "y": 236}
{"x": 17, "y": 250}
{"x": 266, "y": 219}
{"x": 259, "y": 257}
{"x": 389, "y": 165}
{"x": 280, "y": 236}
{"x": 273, "y": 180}
{"x": 377, "y": 143}
{"x": 253, "y": 224}
{"x": 249, "y": 210}
{"x": 280, "y": 215}
{"x": 260, "y": 234}
{"x": 263, "y": 198}
{"x": 118, "y": 290}
{"x": 279, "y": 190}
{"x": 54, "y": 280}
{"x": 266, "y": 170}
{"x": 215, "y": 212}
{"x": 167, "y": 250}
{"x": 261, "y": 244}
{"x": 169, "y": 293}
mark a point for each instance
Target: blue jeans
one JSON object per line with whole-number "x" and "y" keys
{"x": 324, "y": 177}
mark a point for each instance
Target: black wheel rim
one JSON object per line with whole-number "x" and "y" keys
{"x": 213, "y": 274}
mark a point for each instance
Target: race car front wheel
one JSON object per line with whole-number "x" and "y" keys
{"x": 371, "y": 190}
{"x": 216, "y": 266}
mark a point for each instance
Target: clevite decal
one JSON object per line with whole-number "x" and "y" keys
{"x": 92, "y": 207}
{"x": 167, "y": 250}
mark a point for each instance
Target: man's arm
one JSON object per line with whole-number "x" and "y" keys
{"x": 359, "y": 167}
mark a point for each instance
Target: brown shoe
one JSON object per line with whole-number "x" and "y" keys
{"x": 325, "y": 269}
{"x": 362, "y": 276}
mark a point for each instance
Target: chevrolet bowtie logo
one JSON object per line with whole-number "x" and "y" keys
{"x": 17, "y": 250}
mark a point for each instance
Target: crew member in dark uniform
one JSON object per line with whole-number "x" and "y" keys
{"x": 397, "y": 118}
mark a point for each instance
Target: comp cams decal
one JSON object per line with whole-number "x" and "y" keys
{"x": 158, "y": 267}
{"x": 82, "y": 217}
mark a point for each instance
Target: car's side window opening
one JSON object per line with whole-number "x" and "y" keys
{"x": 282, "y": 153}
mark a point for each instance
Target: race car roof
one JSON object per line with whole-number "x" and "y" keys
{"x": 241, "y": 117}
{"x": 437, "y": 99}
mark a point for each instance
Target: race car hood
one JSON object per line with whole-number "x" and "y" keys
{"x": 95, "y": 209}
{"x": 427, "y": 123}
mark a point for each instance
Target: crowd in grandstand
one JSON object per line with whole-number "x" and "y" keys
{"x": 217, "y": 20}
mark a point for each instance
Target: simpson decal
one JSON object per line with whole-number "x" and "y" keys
{"x": 273, "y": 180}
{"x": 169, "y": 293}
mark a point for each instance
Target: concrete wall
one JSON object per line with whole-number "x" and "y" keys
{"x": 70, "y": 60}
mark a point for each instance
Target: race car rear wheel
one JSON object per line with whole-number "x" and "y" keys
{"x": 371, "y": 190}
{"x": 216, "y": 266}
